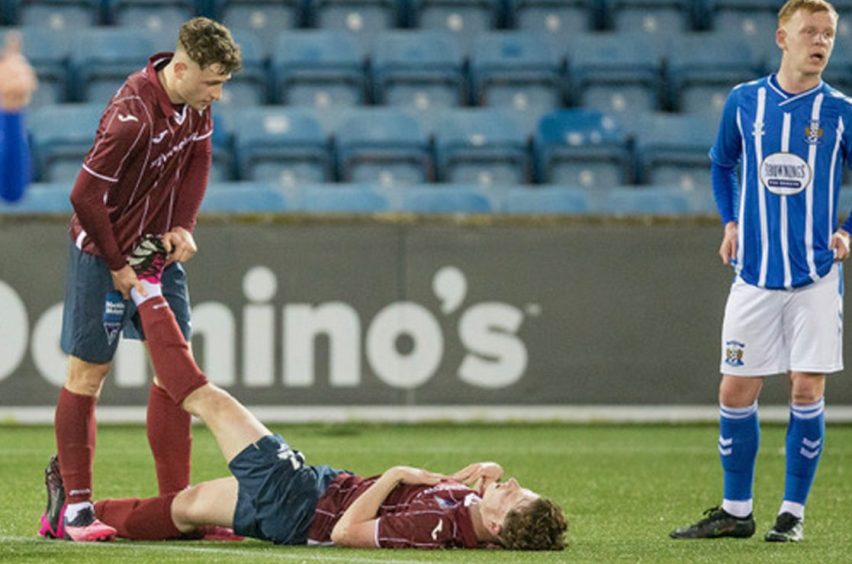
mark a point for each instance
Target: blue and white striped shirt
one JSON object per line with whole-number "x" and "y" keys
{"x": 790, "y": 150}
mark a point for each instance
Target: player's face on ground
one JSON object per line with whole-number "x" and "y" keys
{"x": 200, "y": 87}
{"x": 807, "y": 40}
{"x": 501, "y": 497}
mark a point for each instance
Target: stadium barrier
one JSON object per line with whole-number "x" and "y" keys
{"x": 409, "y": 318}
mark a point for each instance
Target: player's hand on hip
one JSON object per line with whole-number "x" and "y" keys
{"x": 180, "y": 245}
{"x": 125, "y": 279}
{"x": 728, "y": 249}
{"x": 840, "y": 244}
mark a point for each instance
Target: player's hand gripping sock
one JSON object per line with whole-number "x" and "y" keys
{"x": 173, "y": 363}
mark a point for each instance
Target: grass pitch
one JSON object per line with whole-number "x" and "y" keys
{"x": 623, "y": 487}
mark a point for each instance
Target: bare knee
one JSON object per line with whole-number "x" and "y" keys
{"x": 85, "y": 378}
{"x": 185, "y": 509}
{"x": 735, "y": 391}
{"x": 806, "y": 388}
{"x": 207, "y": 399}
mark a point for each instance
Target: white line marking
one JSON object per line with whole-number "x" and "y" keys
{"x": 270, "y": 552}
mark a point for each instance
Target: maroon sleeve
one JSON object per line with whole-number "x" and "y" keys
{"x": 87, "y": 198}
{"x": 122, "y": 130}
{"x": 194, "y": 182}
{"x": 428, "y": 528}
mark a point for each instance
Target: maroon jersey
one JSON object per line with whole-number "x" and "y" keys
{"x": 147, "y": 170}
{"x": 410, "y": 517}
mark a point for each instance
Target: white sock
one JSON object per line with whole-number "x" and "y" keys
{"x": 72, "y": 509}
{"x": 796, "y": 509}
{"x": 153, "y": 290}
{"x": 739, "y": 509}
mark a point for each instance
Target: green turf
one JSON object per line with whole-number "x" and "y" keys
{"x": 624, "y": 488}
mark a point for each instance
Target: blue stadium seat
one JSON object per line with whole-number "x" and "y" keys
{"x": 59, "y": 15}
{"x": 656, "y": 17}
{"x": 244, "y": 197}
{"x": 324, "y": 69}
{"x": 630, "y": 200}
{"x": 581, "y": 147}
{"x": 356, "y": 16}
{"x": 466, "y": 19}
{"x": 47, "y": 50}
{"x": 61, "y": 135}
{"x": 41, "y": 198}
{"x": 555, "y": 19}
{"x": 265, "y": 18}
{"x": 481, "y": 146}
{"x": 249, "y": 86}
{"x": 101, "y": 60}
{"x": 343, "y": 198}
{"x": 153, "y": 16}
{"x": 383, "y": 145}
{"x": 421, "y": 70}
{"x": 516, "y": 70}
{"x": 282, "y": 145}
{"x": 839, "y": 71}
{"x": 440, "y": 199}
{"x": 671, "y": 149}
{"x": 746, "y": 18}
{"x": 547, "y": 200}
{"x": 702, "y": 69}
{"x": 616, "y": 72}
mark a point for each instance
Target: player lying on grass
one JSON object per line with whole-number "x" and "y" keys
{"x": 274, "y": 495}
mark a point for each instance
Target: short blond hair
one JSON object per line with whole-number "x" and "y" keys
{"x": 209, "y": 43}
{"x": 811, "y": 6}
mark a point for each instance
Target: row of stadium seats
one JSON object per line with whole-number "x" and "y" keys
{"x": 362, "y": 198}
{"x": 368, "y": 15}
{"x": 458, "y": 16}
{"x": 389, "y": 146}
{"x": 610, "y": 71}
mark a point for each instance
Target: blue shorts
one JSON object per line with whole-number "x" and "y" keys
{"x": 87, "y": 282}
{"x": 278, "y": 492}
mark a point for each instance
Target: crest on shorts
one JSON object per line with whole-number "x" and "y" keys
{"x": 734, "y": 353}
{"x": 813, "y": 133}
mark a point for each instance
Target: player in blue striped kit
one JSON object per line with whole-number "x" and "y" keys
{"x": 17, "y": 83}
{"x": 789, "y": 135}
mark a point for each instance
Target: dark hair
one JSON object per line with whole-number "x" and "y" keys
{"x": 540, "y": 525}
{"x": 210, "y": 43}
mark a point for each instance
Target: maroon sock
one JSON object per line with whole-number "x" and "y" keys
{"x": 139, "y": 519}
{"x": 74, "y": 424}
{"x": 170, "y": 439}
{"x": 176, "y": 369}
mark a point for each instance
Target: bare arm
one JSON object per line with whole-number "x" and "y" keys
{"x": 357, "y": 526}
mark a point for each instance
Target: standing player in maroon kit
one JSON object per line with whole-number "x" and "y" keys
{"x": 146, "y": 173}
{"x": 274, "y": 495}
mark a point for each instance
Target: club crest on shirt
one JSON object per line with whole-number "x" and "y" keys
{"x": 813, "y": 133}
{"x": 785, "y": 174}
{"x": 734, "y": 353}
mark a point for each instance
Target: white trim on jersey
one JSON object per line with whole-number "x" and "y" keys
{"x": 205, "y": 136}
{"x": 742, "y": 215}
{"x": 759, "y": 128}
{"x": 809, "y": 194}
{"x": 96, "y": 175}
{"x": 782, "y": 232}
{"x": 831, "y": 212}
